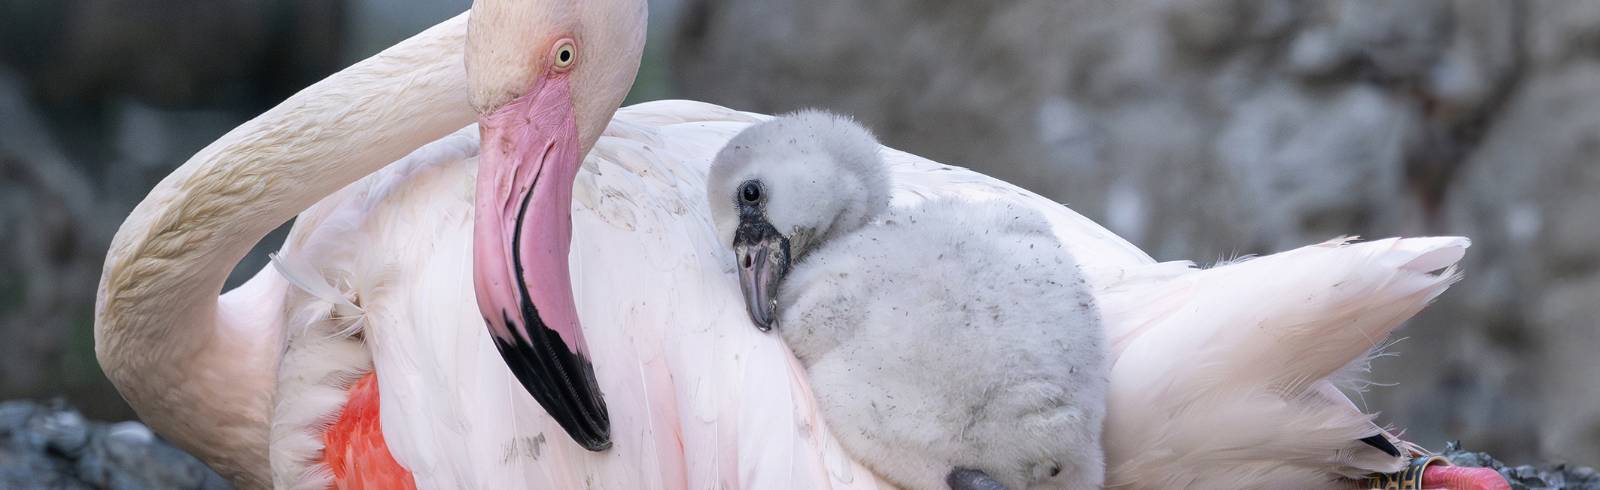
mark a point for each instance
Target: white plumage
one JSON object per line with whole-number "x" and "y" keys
{"x": 948, "y": 335}
{"x": 680, "y": 364}
{"x": 1224, "y": 377}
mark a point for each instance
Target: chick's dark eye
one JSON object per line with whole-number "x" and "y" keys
{"x": 750, "y": 192}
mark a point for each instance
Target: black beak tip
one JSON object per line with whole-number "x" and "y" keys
{"x": 762, "y": 322}
{"x": 562, "y": 381}
{"x": 596, "y": 444}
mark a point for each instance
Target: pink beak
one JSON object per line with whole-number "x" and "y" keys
{"x": 522, "y": 234}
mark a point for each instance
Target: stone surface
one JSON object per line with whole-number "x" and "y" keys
{"x": 1211, "y": 129}
{"x": 1527, "y": 477}
{"x": 52, "y": 446}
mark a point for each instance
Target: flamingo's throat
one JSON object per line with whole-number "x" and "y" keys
{"x": 528, "y": 160}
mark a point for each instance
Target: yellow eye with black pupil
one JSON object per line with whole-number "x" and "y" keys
{"x": 566, "y": 54}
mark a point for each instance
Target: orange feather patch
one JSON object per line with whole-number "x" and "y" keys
{"x": 354, "y": 448}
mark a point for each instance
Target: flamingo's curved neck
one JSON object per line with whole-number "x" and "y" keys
{"x": 157, "y": 321}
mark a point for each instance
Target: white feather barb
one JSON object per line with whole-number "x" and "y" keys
{"x": 303, "y": 276}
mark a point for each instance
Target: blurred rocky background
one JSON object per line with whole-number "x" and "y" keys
{"x": 1204, "y": 130}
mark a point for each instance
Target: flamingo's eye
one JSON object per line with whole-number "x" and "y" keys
{"x": 750, "y": 192}
{"x": 566, "y": 54}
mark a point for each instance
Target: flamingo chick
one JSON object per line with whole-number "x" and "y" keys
{"x": 948, "y": 343}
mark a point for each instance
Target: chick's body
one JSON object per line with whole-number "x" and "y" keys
{"x": 953, "y": 335}
{"x": 950, "y": 343}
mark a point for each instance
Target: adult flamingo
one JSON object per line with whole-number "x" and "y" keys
{"x": 374, "y": 280}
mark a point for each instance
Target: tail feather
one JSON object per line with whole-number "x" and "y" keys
{"x": 1288, "y": 320}
{"x": 1229, "y": 371}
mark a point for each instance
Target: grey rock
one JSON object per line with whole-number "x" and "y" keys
{"x": 52, "y": 446}
{"x": 1527, "y": 477}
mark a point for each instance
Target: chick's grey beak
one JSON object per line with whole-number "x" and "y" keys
{"x": 762, "y": 263}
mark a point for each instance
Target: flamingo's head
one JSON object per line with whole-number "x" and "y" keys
{"x": 546, "y": 77}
